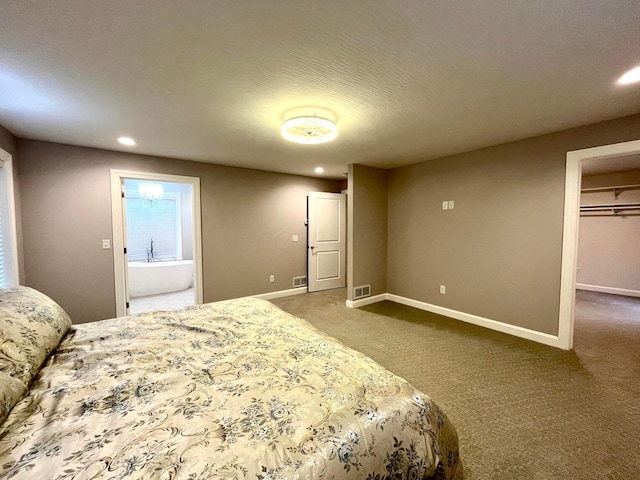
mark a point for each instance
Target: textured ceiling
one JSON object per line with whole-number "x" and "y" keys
{"x": 407, "y": 80}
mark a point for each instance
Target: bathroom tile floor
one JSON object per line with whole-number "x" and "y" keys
{"x": 163, "y": 301}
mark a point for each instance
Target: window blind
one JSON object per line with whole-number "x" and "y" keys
{"x": 3, "y": 276}
{"x": 158, "y": 221}
{"x": 8, "y": 258}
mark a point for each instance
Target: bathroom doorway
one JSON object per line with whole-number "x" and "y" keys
{"x": 157, "y": 248}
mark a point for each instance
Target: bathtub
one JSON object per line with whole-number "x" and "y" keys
{"x": 159, "y": 277}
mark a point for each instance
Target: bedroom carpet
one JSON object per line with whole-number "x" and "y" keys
{"x": 522, "y": 410}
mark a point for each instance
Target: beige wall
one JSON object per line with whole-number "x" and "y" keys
{"x": 609, "y": 246}
{"x": 248, "y": 217}
{"x": 367, "y": 229}
{"x": 9, "y": 143}
{"x": 615, "y": 179}
{"x": 499, "y": 251}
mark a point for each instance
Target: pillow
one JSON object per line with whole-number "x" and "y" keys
{"x": 11, "y": 390}
{"x": 31, "y": 326}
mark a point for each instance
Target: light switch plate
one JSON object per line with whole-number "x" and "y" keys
{"x": 450, "y": 204}
{"x": 445, "y": 205}
{"x": 106, "y": 244}
{"x": 294, "y": 238}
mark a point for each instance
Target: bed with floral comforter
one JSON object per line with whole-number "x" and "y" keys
{"x": 229, "y": 390}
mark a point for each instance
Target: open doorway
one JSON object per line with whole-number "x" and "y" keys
{"x": 159, "y": 240}
{"x": 609, "y": 229}
{"x": 607, "y": 308}
{"x": 597, "y": 157}
{"x": 157, "y": 247}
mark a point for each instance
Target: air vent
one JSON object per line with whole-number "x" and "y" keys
{"x": 300, "y": 281}
{"x": 361, "y": 292}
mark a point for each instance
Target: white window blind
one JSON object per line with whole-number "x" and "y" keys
{"x": 3, "y": 278}
{"x": 8, "y": 252}
{"x": 159, "y": 221}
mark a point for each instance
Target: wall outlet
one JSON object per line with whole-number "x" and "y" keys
{"x": 578, "y": 270}
{"x": 272, "y": 278}
{"x": 294, "y": 238}
{"x": 443, "y": 289}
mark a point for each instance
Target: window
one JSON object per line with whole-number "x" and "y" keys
{"x": 8, "y": 243}
{"x": 159, "y": 221}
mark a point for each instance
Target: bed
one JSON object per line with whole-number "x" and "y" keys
{"x": 235, "y": 389}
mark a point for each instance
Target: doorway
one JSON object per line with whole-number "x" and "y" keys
{"x": 609, "y": 230}
{"x": 156, "y": 241}
{"x": 573, "y": 187}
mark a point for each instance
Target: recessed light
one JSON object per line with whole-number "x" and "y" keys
{"x": 127, "y": 141}
{"x": 632, "y": 76}
{"x": 319, "y": 170}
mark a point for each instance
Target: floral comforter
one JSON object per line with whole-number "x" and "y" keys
{"x": 229, "y": 390}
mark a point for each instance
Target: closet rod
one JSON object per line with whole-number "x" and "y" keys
{"x": 611, "y": 213}
{"x": 626, "y": 209}
{"x": 610, "y": 206}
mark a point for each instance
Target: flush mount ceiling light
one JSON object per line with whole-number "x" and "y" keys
{"x": 310, "y": 128}
{"x": 632, "y": 76}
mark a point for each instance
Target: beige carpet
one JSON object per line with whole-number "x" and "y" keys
{"x": 522, "y": 410}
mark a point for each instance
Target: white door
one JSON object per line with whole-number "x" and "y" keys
{"x": 326, "y": 241}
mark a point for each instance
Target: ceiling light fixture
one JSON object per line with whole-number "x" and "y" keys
{"x": 151, "y": 193}
{"x": 127, "y": 141}
{"x": 306, "y": 126}
{"x": 319, "y": 170}
{"x": 632, "y": 76}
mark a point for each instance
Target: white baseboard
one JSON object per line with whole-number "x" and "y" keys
{"x": 612, "y": 290}
{"x": 366, "y": 301}
{"x": 544, "y": 338}
{"x": 281, "y": 293}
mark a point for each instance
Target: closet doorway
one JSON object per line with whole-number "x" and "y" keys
{"x": 609, "y": 230}
{"x": 593, "y": 159}
{"x": 156, "y": 241}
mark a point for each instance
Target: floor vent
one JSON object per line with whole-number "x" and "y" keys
{"x": 361, "y": 292}
{"x": 300, "y": 281}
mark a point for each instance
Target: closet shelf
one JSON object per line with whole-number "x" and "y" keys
{"x": 617, "y": 190}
